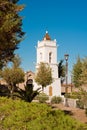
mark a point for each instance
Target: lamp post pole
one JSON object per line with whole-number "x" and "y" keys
{"x": 66, "y": 87}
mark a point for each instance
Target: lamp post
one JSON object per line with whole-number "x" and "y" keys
{"x": 66, "y": 87}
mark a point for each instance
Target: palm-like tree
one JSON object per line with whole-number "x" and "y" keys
{"x": 28, "y": 94}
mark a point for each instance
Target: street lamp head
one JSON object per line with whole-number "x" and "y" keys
{"x": 66, "y": 56}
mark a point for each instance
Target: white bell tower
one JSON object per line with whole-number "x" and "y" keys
{"x": 47, "y": 53}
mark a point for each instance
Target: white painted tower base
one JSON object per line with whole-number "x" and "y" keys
{"x": 56, "y": 88}
{"x": 51, "y": 90}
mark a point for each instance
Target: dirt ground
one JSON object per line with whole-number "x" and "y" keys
{"x": 78, "y": 114}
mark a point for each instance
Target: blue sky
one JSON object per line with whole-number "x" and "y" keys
{"x": 65, "y": 20}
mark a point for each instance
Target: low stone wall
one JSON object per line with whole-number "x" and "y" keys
{"x": 70, "y": 102}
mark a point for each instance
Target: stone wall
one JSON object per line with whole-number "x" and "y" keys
{"x": 71, "y": 102}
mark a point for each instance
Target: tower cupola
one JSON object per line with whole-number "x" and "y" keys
{"x": 46, "y": 37}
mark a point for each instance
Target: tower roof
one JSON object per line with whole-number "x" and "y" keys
{"x": 46, "y": 37}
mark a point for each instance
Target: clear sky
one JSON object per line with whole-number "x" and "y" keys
{"x": 65, "y": 20}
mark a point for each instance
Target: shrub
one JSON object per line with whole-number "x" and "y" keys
{"x": 20, "y": 115}
{"x": 80, "y": 104}
{"x": 42, "y": 97}
{"x": 56, "y": 100}
{"x": 73, "y": 95}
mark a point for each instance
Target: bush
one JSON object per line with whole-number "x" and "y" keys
{"x": 20, "y": 115}
{"x": 56, "y": 100}
{"x": 42, "y": 97}
{"x": 80, "y": 104}
{"x": 73, "y": 95}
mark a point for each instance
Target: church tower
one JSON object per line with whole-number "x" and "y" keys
{"x": 47, "y": 53}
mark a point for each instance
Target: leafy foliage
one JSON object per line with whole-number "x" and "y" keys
{"x": 44, "y": 75}
{"x": 17, "y": 114}
{"x": 13, "y": 75}
{"x": 4, "y": 91}
{"x": 61, "y": 71}
{"x": 56, "y": 100}
{"x": 28, "y": 94}
{"x": 83, "y": 79}
{"x": 10, "y": 29}
{"x": 42, "y": 97}
{"x": 80, "y": 72}
{"x": 77, "y": 71}
{"x": 73, "y": 95}
{"x": 81, "y": 97}
{"x": 80, "y": 104}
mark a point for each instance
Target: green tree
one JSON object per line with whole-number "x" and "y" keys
{"x": 44, "y": 75}
{"x": 83, "y": 78}
{"x": 16, "y": 61}
{"x": 76, "y": 72}
{"x": 61, "y": 71}
{"x": 13, "y": 75}
{"x": 10, "y": 29}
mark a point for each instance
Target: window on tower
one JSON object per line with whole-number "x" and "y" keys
{"x": 50, "y": 57}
